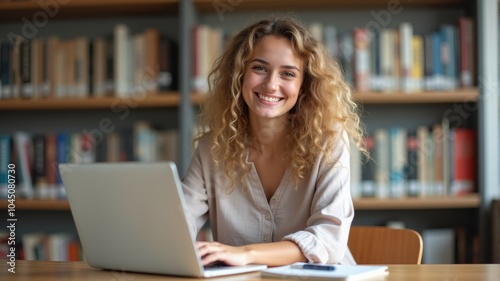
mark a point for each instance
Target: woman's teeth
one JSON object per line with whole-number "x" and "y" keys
{"x": 269, "y": 99}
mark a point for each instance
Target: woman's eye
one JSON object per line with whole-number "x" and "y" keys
{"x": 258, "y": 68}
{"x": 289, "y": 74}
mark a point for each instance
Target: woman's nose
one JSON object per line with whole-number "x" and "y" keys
{"x": 272, "y": 82}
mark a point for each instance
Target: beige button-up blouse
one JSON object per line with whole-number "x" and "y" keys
{"x": 316, "y": 215}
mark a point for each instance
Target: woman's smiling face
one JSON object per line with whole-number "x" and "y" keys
{"x": 273, "y": 78}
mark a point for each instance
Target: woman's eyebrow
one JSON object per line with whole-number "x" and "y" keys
{"x": 267, "y": 63}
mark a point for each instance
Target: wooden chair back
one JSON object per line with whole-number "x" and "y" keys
{"x": 383, "y": 245}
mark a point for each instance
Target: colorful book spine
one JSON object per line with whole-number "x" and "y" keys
{"x": 362, "y": 59}
{"x": 5, "y": 160}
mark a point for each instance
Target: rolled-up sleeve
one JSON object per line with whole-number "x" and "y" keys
{"x": 324, "y": 240}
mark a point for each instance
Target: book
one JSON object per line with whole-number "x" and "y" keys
{"x": 464, "y": 161}
{"x": 376, "y": 81}
{"x": 122, "y": 60}
{"x": 63, "y": 148}
{"x": 5, "y": 160}
{"x": 382, "y": 158}
{"x": 138, "y": 64}
{"x": 60, "y": 57}
{"x": 26, "y": 75}
{"x": 152, "y": 51}
{"x": 70, "y": 68}
{"x": 81, "y": 65}
{"x": 346, "y": 53}
{"x": 58, "y": 246}
{"x": 99, "y": 63}
{"x": 200, "y": 37}
{"x": 411, "y": 166}
{"x": 361, "y": 59}
{"x": 32, "y": 244}
{"x": 165, "y": 73}
{"x": 15, "y": 69}
{"x": 368, "y": 165}
{"x": 331, "y": 40}
{"x": 113, "y": 147}
{"x": 167, "y": 146}
{"x": 143, "y": 142}
{"x": 423, "y": 155}
{"x": 5, "y": 70}
{"x": 449, "y": 45}
{"x": 39, "y": 179}
{"x": 388, "y": 63}
{"x": 51, "y": 164}
{"x": 341, "y": 272}
{"x": 406, "y": 53}
{"x": 24, "y": 157}
{"x": 316, "y": 30}
{"x": 398, "y": 159}
{"x": 110, "y": 71}
{"x": 417, "y": 71}
{"x": 439, "y": 246}
{"x": 438, "y": 183}
{"x": 437, "y": 79}
{"x": 466, "y": 47}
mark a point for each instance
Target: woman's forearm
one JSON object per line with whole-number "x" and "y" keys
{"x": 275, "y": 254}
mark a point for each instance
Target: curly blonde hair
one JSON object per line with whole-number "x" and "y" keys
{"x": 325, "y": 100}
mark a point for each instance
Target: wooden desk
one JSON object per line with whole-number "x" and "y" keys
{"x": 68, "y": 271}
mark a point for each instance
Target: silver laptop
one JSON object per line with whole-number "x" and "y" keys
{"x": 130, "y": 217}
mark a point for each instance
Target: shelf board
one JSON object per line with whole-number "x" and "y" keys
{"x": 172, "y": 99}
{"x": 38, "y": 204}
{"x": 470, "y": 201}
{"x": 14, "y": 11}
{"x": 167, "y": 99}
{"x": 209, "y": 6}
{"x": 463, "y": 202}
{"x": 460, "y": 96}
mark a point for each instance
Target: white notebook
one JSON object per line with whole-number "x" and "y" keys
{"x": 340, "y": 272}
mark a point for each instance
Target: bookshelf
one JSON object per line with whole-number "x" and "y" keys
{"x": 67, "y": 20}
{"x": 178, "y": 17}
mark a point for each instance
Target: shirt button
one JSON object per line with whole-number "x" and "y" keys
{"x": 265, "y": 238}
{"x": 268, "y": 217}
{"x": 274, "y": 198}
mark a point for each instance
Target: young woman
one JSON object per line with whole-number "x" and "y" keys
{"x": 272, "y": 170}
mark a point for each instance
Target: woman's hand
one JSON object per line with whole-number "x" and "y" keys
{"x": 212, "y": 252}
{"x": 271, "y": 254}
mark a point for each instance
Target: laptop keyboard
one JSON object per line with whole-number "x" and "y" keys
{"x": 216, "y": 265}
